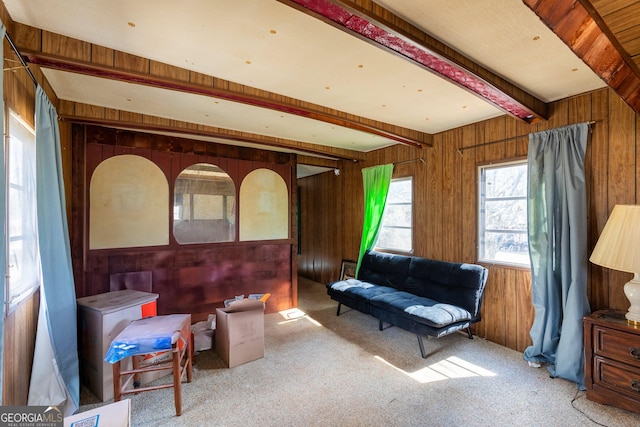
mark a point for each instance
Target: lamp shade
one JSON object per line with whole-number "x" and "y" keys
{"x": 618, "y": 247}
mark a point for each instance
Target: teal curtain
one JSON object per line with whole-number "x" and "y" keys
{"x": 3, "y": 196}
{"x": 376, "y": 182}
{"x": 557, "y": 227}
{"x": 55, "y": 377}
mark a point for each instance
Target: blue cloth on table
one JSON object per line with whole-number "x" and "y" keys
{"x": 143, "y": 336}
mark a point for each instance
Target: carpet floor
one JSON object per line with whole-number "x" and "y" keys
{"x": 320, "y": 369}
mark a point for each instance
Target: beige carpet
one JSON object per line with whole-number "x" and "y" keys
{"x": 320, "y": 370}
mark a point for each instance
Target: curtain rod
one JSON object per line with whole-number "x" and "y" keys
{"x": 24, "y": 64}
{"x": 461, "y": 149}
{"x": 412, "y": 160}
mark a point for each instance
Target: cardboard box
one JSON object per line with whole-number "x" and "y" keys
{"x": 240, "y": 332}
{"x": 117, "y": 414}
{"x": 100, "y": 319}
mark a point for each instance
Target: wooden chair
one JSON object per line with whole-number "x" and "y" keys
{"x": 178, "y": 326}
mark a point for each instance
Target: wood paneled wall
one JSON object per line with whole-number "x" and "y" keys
{"x": 194, "y": 278}
{"x": 17, "y": 353}
{"x": 445, "y": 200}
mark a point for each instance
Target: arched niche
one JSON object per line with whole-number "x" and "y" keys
{"x": 204, "y": 205}
{"x": 129, "y": 200}
{"x": 264, "y": 206}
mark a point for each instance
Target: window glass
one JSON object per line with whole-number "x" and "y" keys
{"x": 503, "y": 214}
{"x": 23, "y": 262}
{"x": 204, "y": 205}
{"x": 396, "y": 230}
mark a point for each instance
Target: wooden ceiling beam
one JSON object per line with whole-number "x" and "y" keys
{"x": 318, "y": 161}
{"x": 580, "y": 27}
{"x": 222, "y": 136}
{"x": 286, "y": 105}
{"x": 381, "y": 28}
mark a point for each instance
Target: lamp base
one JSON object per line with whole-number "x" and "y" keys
{"x": 632, "y": 291}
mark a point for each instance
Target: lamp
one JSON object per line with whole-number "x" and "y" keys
{"x": 618, "y": 248}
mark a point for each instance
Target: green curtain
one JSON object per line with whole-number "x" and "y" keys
{"x": 376, "y": 182}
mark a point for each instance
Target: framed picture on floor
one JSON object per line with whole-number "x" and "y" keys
{"x": 348, "y": 270}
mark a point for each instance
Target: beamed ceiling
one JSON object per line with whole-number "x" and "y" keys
{"x": 326, "y": 79}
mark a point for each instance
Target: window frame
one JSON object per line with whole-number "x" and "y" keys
{"x": 201, "y": 202}
{"x": 14, "y": 299}
{"x": 412, "y": 227}
{"x": 481, "y": 256}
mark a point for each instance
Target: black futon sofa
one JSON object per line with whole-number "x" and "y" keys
{"x": 424, "y": 296}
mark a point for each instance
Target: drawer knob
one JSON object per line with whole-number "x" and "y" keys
{"x": 635, "y": 384}
{"x": 635, "y": 352}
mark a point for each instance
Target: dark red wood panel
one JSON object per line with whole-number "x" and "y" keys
{"x": 188, "y": 278}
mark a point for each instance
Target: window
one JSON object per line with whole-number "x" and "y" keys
{"x": 503, "y": 214}
{"x": 204, "y": 205}
{"x": 396, "y": 230}
{"x": 23, "y": 262}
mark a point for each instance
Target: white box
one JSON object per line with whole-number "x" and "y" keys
{"x": 117, "y": 414}
{"x": 100, "y": 319}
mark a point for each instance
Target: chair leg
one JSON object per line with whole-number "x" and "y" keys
{"x": 135, "y": 362}
{"x": 338, "y": 312}
{"x": 177, "y": 380}
{"x": 421, "y": 344}
{"x": 469, "y": 332}
{"x": 117, "y": 382}
{"x": 380, "y": 325}
{"x": 189, "y": 363}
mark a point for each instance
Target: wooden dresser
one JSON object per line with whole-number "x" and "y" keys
{"x": 612, "y": 360}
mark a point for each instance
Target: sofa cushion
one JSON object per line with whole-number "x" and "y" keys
{"x": 343, "y": 285}
{"x": 439, "y": 315}
{"x": 451, "y": 283}
{"x": 420, "y": 309}
{"x": 362, "y": 290}
{"x": 384, "y": 269}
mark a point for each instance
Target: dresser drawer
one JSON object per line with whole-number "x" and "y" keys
{"x": 618, "y": 377}
{"x": 618, "y": 345}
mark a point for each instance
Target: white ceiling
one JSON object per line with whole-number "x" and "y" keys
{"x": 506, "y": 37}
{"x": 268, "y": 45}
